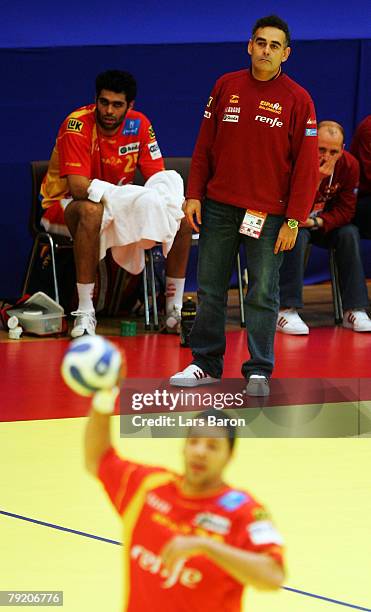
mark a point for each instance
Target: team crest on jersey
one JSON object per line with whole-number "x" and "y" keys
{"x": 131, "y": 127}
{"x": 74, "y": 125}
{"x": 233, "y": 500}
{"x": 272, "y": 107}
{"x": 213, "y": 522}
{"x": 234, "y": 99}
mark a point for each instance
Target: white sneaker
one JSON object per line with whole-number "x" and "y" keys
{"x": 289, "y": 322}
{"x": 257, "y": 386}
{"x": 85, "y": 324}
{"x": 192, "y": 376}
{"x": 357, "y": 320}
{"x": 173, "y": 319}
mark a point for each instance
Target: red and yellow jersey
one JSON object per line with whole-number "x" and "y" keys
{"x": 83, "y": 150}
{"x": 154, "y": 510}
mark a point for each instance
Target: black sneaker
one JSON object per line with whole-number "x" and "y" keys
{"x": 257, "y": 386}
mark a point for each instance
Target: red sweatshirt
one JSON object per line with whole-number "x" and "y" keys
{"x": 361, "y": 149}
{"x": 257, "y": 147}
{"x": 341, "y": 196}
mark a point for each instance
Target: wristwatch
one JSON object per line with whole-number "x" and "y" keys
{"x": 292, "y": 223}
{"x": 316, "y": 225}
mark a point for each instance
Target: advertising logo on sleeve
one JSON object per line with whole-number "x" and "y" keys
{"x": 260, "y": 514}
{"x": 131, "y": 127}
{"x": 132, "y": 147}
{"x": 311, "y": 129}
{"x": 234, "y": 99}
{"x": 154, "y": 150}
{"x": 151, "y": 133}
{"x": 233, "y": 500}
{"x": 264, "y": 532}
{"x": 207, "y": 114}
{"x": 74, "y": 125}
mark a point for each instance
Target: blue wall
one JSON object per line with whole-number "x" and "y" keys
{"x": 42, "y": 23}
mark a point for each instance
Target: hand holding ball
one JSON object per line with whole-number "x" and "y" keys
{"x": 91, "y": 364}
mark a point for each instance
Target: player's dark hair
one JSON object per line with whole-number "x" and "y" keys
{"x": 273, "y": 21}
{"x": 231, "y": 430}
{"x": 117, "y": 81}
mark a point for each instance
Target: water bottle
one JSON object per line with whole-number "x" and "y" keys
{"x": 188, "y": 315}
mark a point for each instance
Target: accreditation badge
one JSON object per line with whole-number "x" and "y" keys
{"x": 253, "y": 223}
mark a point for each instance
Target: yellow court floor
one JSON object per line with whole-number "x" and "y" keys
{"x": 318, "y": 490}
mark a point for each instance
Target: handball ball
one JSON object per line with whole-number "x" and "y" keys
{"x": 91, "y": 364}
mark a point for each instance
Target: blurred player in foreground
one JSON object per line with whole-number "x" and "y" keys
{"x": 190, "y": 542}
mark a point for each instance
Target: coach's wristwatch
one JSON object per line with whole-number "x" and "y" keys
{"x": 292, "y": 223}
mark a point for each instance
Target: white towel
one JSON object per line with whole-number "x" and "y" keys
{"x": 136, "y": 218}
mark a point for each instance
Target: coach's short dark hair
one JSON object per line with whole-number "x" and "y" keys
{"x": 117, "y": 81}
{"x": 273, "y": 21}
{"x": 230, "y": 430}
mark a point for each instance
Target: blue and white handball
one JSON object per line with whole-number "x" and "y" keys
{"x": 91, "y": 364}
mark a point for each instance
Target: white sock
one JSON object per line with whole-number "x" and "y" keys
{"x": 174, "y": 293}
{"x": 85, "y": 293}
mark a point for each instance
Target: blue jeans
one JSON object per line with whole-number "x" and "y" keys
{"x": 345, "y": 240}
{"x": 362, "y": 217}
{"x": 218, "y": 246}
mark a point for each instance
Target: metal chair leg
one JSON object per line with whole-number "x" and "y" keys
{"x": 335, "y": 286}
{"x": 30, "y": 265}
{"x": 114, "y": 304}
{"x": 147, "y": 324}
{"x": 153, "y": 289}
{"x": 240, "y": 292}
{"x": 54, "y": 266}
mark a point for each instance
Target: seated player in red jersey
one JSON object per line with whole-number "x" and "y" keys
{"x": 191, "y": 542}
{"x": 106, "y": 140}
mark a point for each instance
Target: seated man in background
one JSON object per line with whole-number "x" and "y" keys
{"x": 328, "y": 225}
{"x": 107, "y": 140}
{"x": 361, "y": 149}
